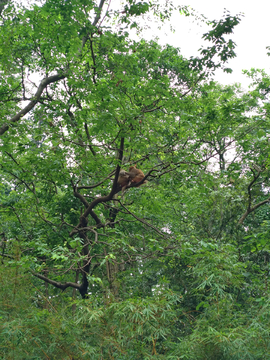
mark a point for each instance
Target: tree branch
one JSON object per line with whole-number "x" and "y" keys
{"x": 100, "y": 6}
{"x": 143, "y": 221}
{"x": 44, "y": 82}
{"x": 56, "y": 283}
{"x": 251, "y": 209}
{"x": 106, "y": 198}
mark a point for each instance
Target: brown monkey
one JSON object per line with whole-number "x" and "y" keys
{"x": 119, "y": 82}
{"x": 123, "y": 179}
{"x": 136, "y": 175}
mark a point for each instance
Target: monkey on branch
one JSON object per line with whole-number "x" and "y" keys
{"x": 133, "y": 176}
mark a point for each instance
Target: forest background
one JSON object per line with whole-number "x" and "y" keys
{"x": 177, "y": 268}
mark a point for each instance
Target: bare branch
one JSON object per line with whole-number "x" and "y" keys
{"x": 98, "y": 12}
{"x": 56, "y": 283}
{"x": 97, "y": 184}
{"x": 251, "y": 209}
{"x": 44, "y": 82}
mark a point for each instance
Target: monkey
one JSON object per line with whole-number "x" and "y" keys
{"x": 136, "y": 175}
{"x": 126, "y": 178}
{"x": 119, "y": 82}
{"x": 123, "y": 179}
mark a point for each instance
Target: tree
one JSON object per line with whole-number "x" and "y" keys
{"x": 81, "y": 100}
{"x": 103, "y": 102}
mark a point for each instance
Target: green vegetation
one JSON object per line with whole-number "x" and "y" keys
{"x": 175, "y": 269}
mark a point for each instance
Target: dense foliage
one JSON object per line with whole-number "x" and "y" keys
{"x": 174, "y": 269}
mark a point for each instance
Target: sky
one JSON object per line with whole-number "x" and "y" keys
{"x": 251, "y": 36}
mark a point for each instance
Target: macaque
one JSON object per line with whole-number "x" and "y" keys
{"x": 136, "y": 175}
{"x": 123, "y": 179}
{"x": 119, "y": 82}
{"x": 126, "y": 178}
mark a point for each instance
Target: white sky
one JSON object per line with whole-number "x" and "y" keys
{"x": 251, "y": 36}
